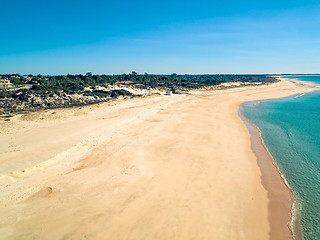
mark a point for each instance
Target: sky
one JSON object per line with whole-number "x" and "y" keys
{"x": 52, "y": 37}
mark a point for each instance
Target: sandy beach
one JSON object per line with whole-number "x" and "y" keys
{"x": 161, "y": 167}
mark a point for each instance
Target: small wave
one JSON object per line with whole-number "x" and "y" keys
{"x": 256, "y": 103}
{"x": 299, "y": 95}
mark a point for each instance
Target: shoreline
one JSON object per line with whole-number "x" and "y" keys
{"x": 267, "y": 165}
{"x": 280, "y": 212}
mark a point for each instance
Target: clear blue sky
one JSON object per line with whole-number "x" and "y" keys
{"x": 230, "y": 36}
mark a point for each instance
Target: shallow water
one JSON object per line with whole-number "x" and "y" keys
{"x": 290, "y": 129}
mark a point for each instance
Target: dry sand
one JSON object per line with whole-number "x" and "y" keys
{"x": 163, "y": 167}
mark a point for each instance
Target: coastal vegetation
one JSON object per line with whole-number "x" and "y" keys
{"x": 29, "y": 92}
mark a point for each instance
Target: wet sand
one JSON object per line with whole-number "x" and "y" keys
{"x": 165, "y": 167}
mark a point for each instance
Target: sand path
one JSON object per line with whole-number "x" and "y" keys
{"x": 166, "y": 167}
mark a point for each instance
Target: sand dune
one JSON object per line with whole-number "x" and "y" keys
{"x": 164, "y": 167}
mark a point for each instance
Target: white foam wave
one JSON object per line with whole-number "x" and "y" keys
{"x": 299, "y": 95}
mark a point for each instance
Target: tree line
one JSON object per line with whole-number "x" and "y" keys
{"x": 76, "y": 83}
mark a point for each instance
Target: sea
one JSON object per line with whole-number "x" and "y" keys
{"x": 290, "y": 129}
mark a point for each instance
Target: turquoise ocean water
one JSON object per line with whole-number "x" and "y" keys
{"x": 290, "y": 128}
